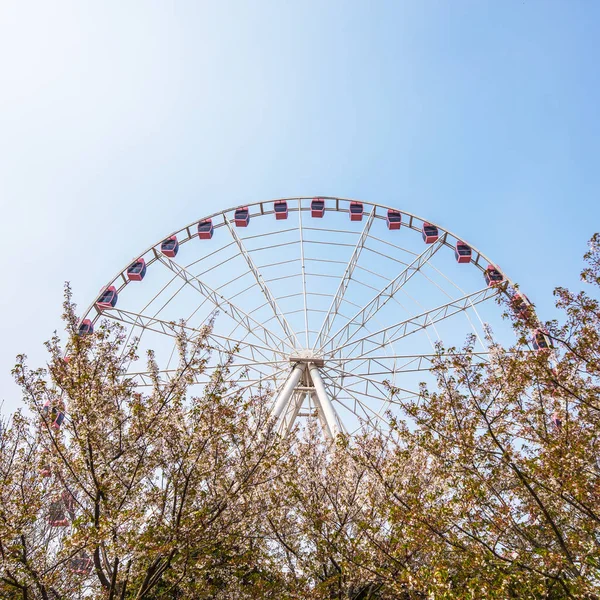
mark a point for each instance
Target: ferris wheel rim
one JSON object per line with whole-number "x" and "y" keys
{"x": 123, "y": 281}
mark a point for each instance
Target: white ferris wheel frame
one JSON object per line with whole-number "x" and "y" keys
{"x": 296, "y": 369}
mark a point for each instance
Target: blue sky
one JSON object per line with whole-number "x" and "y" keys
{"x": 122, "y": 121}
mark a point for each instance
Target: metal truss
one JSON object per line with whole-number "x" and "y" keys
{"x": 393, "y": 333}
{"x": 346, "y": 277}
{"x": 251, "y": 325}
{"x": 290, "y": 334}
{"x": 362, "y": 317}
{"x": 277, "y": 295}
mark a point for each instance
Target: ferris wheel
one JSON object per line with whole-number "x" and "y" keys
{"x": 327, "y": 303}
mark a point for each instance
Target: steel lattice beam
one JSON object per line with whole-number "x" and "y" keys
{"x": 389, "y": 335}
{"x": 250, "y": 324}
{"x": 362, "y": 317}
{"x": 346, "y": 277}
{"x": 289, "y": 332}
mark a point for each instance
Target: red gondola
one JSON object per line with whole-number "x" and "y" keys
{"x": 56, "y": 514}
{"x": 462, "y": 253}
{"x": 45, "y": 469}
{"x": 136, "y": 271}
{"x": 556, "y": 420}
{"x": 521, "y": 305}
{"x": 53, "y": 414}
{"x": 492, "y": 276}
{"x": 81, "y": 565}
{"x": 205, "y": 229}
{"x": 540, "y": 340}
{"x": 242, "y": 217}
{"x": 394, "y": 219}
{"x": 281, "y": 209}
{"x": 69, "y": 502}
{"x": 85, "y": 328}
{"x": 108, "y": 298}
{"x": 170, "y": 247}
{"x": 356, "y": 211}
{"x": 317, "y": 208}
{"x": 430, "y": 233}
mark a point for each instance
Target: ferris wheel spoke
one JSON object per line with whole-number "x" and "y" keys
{"x": 346, "y": 277}
{"x": 303, "y": 271}
{"x": 289, "y": 332}
{"x": 147, "y": 322}
{"x": 361, "y": 318}
{"x": 146, "y": 378}
{"x": 407, "y": 363}
{"x": 369, "y": 379}
{"x": 233, "y": 346}
{"x": 258, "y": 383}
{"x": 389, "y": 335}
{"x": 368, "y": 412}
{"x": 252, "y": 325}
{"x": 172, "y": 329}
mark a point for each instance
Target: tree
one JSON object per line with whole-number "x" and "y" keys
{"x": 509, "y": 487}
{"x": 158, "y": 490}
{"x": 487, "y": 486}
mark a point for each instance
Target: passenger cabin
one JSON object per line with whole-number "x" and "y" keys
{"x": 68, "y": 501}
{"x": 492, "y": 276}
{"x": 430, "y": 233}
{"x": 136, "y": 271}
{"x": 520, "y": 305}
{"x": 556, "y": 421}
{"x": 205, "y": 229}
{"x": 462, "y": 253}
{"x": 81, "y": 565}
{"x": 281, "y": 209}
{"x": 108, "y": 298}
{"x": 540, "y": 340}
{"x": 394, "y": 219}
{"x": 242, "y": 217}
{"x": 85, "y": 328}
{"x": 45, "y": 469}
{"x": 57, "y": 515}
{"x": 356, "y": 211}
{"x": 170, "y": 247}
{"x": 54, "y": 415}
{"x": 317, "y": 208}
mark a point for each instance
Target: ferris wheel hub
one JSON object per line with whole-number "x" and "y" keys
{"x": 305, "y": 357}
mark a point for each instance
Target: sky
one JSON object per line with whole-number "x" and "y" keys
{"x": 122, "y": 121}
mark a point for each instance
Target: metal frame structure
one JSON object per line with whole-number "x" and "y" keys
{"x": 346, "y": 363}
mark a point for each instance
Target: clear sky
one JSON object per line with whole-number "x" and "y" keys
{"x": 122, "y": 121}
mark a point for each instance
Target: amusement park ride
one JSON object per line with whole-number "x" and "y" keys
{"x": 337, "y": 321}
{"x": 328, "y": 303}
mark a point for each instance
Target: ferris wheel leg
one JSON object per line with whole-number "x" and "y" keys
{"x": 326, "y": 406}
{"x": 286, "y": 423}
{"x": 321, "y": 417}
{"x": 287, "y": 391}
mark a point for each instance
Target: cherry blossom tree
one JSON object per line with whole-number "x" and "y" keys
{"x": 486, "y": 486}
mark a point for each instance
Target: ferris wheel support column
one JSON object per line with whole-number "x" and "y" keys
{"x": 286, "y": 423}
{"x": 287, "y": 391}
{"x": 326, "y": 406}
{"x": 321, "y": 416}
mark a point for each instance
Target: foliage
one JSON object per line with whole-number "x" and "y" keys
{"x": 489, "y": 487}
